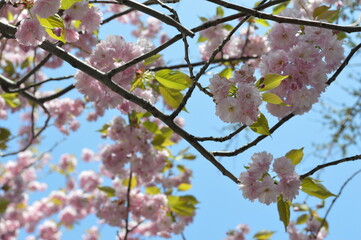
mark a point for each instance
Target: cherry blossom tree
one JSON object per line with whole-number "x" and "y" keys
{"x": 255, "y": 64}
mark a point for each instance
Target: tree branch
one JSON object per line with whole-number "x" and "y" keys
{"x": 348, "y": 159}
{"x": 279, "y": 19}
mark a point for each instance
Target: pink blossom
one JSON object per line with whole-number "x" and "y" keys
{"x": 219, "y": 87}
{"x": 30, "y": 33}
{"x": 91, "y": 234}
{"x": 91, "y": 20}
{"x": 89, "y": 180}
{"x": 49, "y": 231}
{"x": 76, "y": 11}
{"x": 283, "y": 167}
{"x": 67, "y": 162}
{"x": 45, "y": 8}
{"x": 249, "y": 186}
{"x": 268, "y": 191}
{"x": 228, "y": 110}
{"x": 260, "y": 164}
{"x": 68, "y": 216}
{"x": 289, "y": 186}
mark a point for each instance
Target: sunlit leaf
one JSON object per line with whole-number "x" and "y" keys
{"x": 152, "y": 59}
{"x": 189, "y": 156}
{"x": 184, "y": 186}
{"x": 133, "y": 182}
{"x": 302, "y": 219}
{"x": 173, "y": 79}
{"x": 319, "y": 10}
{"x": 228, "y": 27}
{"x": 269, "y": 81}
{"x": 183, "y": 205}
{"x": 65, "y": 4}
{"x": 11, "y": 99}
{"x": 52, "y": 22}
{"x": 261, "y": 125}
{"x": 262, "y": 22}
{"x": 108, "y": 190}
{"x": 295, "y": 155}
{"x": 151, "y": 127}
{"x": 171, "y": 97}
{"x": 219, "y": 11}
{"x": 152, "y": 190}
{"x": 226, "y": 73}
{"x": 314, "y": 188}
{"x": 3, "y": 204}
{"x": 280, "y": 7}
{"x": 274, "y": 99}
{"x": 104, "y": 129}
{"x": 284, "y": 211}
{"x": 202, "y": 39}
{"x": 263, "y": 235}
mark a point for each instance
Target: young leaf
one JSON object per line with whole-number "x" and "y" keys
{"x": 108, "y": 190}
{"x": 262, "y": 22}
{"x": 171, "y": 97}
{"x": 3, "y": 204}
{"x": 52, "y": 22}
{"x": 269, "y": 81}
{"x": 152, "y": 59}
{"x": 261, "y": 126}
{"x": 295, "y": 155}
{"x": 184, "y": 205}
{"x": 4, "y": 135}
{"x": 302, "y": 219}
{"x": 65, "y": 4}
{"x": 284, "y": 211}
{"x": 202, "y": 39}
{"x": 133, "y": 182}
{"x": 226, "y": 73}
{"x": 151, "y": 127}
{"x": 274, "y": 99}
{"x": 219, "y": 11}
{"x": 263, "y": 235}
{"x": 11, "y": 99}
{"x": 319, "y": 11}
{"x": 173, "y": 79}
{"x": 184, "y": 186}
{"x": 152, "y": 190}
{"x": 314, "y": 188}
{"x": 278, "y": 8}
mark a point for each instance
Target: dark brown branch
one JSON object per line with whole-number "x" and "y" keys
{"x": 348, "y": 159}
{"x": 281, "y": 19}
{"x": 58, "y": 94}
{"x": 344, "y": 64}
{"x": 221, "y": 139}
{"x": 200, "y": 63}
{"x": 128, "y": 205}
{"x": 164, "y": 18}
{"x": 254, "y": 142}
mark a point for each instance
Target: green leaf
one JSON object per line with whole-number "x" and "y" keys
{"x": 133, "y": 182}
{"x": 280, "y": 7}
{"x": 151, "y": 127}
{"x": 226, "y": 73}
{"x": 295, "y": 155}
{"x": 3, "y": 204}
{"x": 173, "y": 79}
{"x": 314, "y": 188}
{"x": 104, "y": 129}
{"x": 319, "y": 11}
{"x": 269, "y": 81}
{"x": 262, "y": 22}
{"x": 52, "y": 22}
{"x": 302, "y": 219}
{"x": 4, "y": 137}
{"x": 341, "y": 35}
{"x": 171, "y": 97}
{"x": 261, "y": 126}
{"x": 189, "y": 156}
{"x": 65, "y": 4}
{"x": 9, "y": 68}
{"x": 284, "y": 211}
{"x": 108, "y": 190}
{"x": 263, "y": 235}
{"x": 184, "y": 187}
{"x": 11, "y": 99}
{"x": 219, "y": 11}
{"x": 202, "y": 39}
{"x": 152, "y": 59}
{"x": 274, "y": 99}
{"x": 203, "y": 19}
{"x": 228, "y": 27}
{"x": 183, "y": 205}
{"x": 152, "y": 190}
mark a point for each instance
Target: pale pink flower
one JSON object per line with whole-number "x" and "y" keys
{"x": 268, "y": 191}
{"x": 68, "y": 216}
{"x": 219, "y": 87}
{"x": 91, "y": 20}
{"x": 249, "y": 186}
{"x": 45, "y": 8}
{"x": 89, "y": 180}
{"x": 228, "y": 110}
{"x": 77, "y": 11}
{"x": 30, "y": 33}
{"x": 283, "y": 167}
{"x": 49, "y": 231}
{"x": 289, "y": 186}
{"x": 260, "y": 164}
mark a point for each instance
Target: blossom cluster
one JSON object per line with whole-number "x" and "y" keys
{"x": 257, "y": 183}
{"x": 306, "y": 55}
{"x": 237, "y": 99}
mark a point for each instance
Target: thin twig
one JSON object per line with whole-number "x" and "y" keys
{"x": 222, "y": 139}
{"x": 333, "y": 163}
{"x": 128, "y": 205}
{"x": 335, "y": 199}
{"x": 290, "y": 20}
